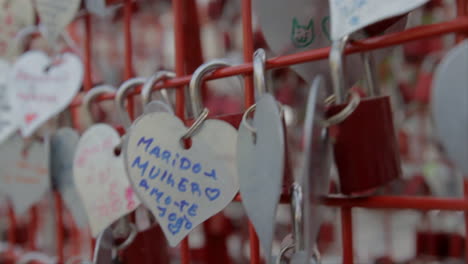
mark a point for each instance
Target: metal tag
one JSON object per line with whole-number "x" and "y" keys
{"x": 260, "y": 163}
{"x": 24, "y": 179}
{"x": 315, "y": 175}
{"x": 63, "y": 145}
{"x": 100, "y": 178}
{"x": 449, "y": 105}
{"x": 182, "y": 187}
{"x": 100, "y": 8}
{"x": 158, "y": 106}
{"x": 8, "y": 114}
{"x": 104, "y": 249}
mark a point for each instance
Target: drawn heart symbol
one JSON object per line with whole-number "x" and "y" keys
{"x": 24, "y": 178}
{"x": 41, "y": 93}
{"x": 55, "y": 15}
{"x": 182, "y": 187}
{"x": 101, "y": 179}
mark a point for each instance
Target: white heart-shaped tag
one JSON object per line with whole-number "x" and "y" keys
{"x": 8, "y": 115}
{"x": 55, "y": 15}
{"x": 101, "y": 179}
{"x": 63, "y": 145}
{"x": 349, "y": 16}
{"x": 260, "y": 163}
{"x": 182, "y": 187}
{"x": 24, "y": 179}
{"x": 42, "y": 93}
{"x": 100, "y": 8}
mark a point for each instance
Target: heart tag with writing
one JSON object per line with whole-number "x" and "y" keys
{"x": 260, "y": 164}
{"x": 315, "y": 175}
{"x": 55, "y": 15}
{"x": 8, "y": 114}
{"x": 63, "y": 145}
{"x": 182, "y": 187}
{"x": 349, "y": 16}
{"x": 14, "y": 16}
{"x": 44, "y": 89}
{"x": 24, "y": 173}
{"x": 100, "y": 178}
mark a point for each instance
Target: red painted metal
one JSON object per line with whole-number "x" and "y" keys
{"x": 347, "y": 235}
{"x": 88, "y": 38}
{"x": 59, "y": 228}
{"x": 11, "y": 225}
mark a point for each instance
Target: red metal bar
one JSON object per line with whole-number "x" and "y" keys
{"x": 416, "y": 33}
{"x": 461, "y": 12}
{"x": 347, "y": 235}
{"x": 11, "y": 225}
{"x": 59, "y": 227}
{"x": 32, "y": 227}
{"x": 128, "y": 71}
{"x": 87, "y": 84}
{"x": 465, "y": 190}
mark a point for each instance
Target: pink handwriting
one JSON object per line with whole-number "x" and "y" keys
{"x": 22, "y": 75}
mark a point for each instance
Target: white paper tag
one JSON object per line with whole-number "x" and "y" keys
{"x": 260, "y": 164}
{"x": 8, "y": 116}
{"x": 349, "y": 16}
{"x": 101, "y": 179}
{"x": 14, "y": 15}
{"x": 24, "y": 179}
{"x": 182, "y": 188}
{"x": 449, "y": 105}
{"x": 41, "y": 93}
{"x": 55, "y": 15}
{"x": 63, "y": 145}
{"x": 99, "y": 7}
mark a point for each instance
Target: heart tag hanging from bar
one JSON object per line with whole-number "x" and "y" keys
{"x": 181, "y": 186}
{"x": 449, "y": 105}
{"x": 8, "y": 110}
{"x": 349, "y": 16}
{"x": 261, "y": 158}
{"x": 63, "y": 145}
{"x": 24, "y": 172}
{"x": 55, "y": 15}
{"x": 44, "y": 88}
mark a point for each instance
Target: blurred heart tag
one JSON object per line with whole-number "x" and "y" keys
{"x": 349, "y": 16}
{"x": 100, "y": 8}
{"x": 101, "y": 179}
{"x": 63, "y": 145}
{"x": 182, "y": 187}
{"x": 42, "y": 88}
{"x": 24, "y": 177}
{"x": 8, "y": 114}
{"x": 55, "y": 15}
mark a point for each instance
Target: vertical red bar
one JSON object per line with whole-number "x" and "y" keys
{"x": 178, "y": 9}
{"x": 32, "y": 227}
{"x": 247, "y": 34}
{"x": 87, "y": 54}
{"x": 465, "y": 190}
{"x": 12, "y": 225}
{"x": 347, "y": 235}
{"x": 59, "y": 227}
{"x": 128, "y": 71}
{"x": 461, "y": 11}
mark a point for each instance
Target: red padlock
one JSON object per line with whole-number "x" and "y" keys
{"x": 365, "y": 146}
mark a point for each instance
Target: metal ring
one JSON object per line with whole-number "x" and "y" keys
{"x": 297, "y": 199}
{"x": 346, "y": 112}
{"x": 120, "y": 99}
{"x": 93, "y": 93}
{"x": 148, "y": 86}
{"x": 283, "y": 251}
{"x": 249, "y": 110}
{"x": 198, "y": 122}
{"x": 337, "y": 68}
{"x": 130, "y": 238}
{"x": 259, "y": 60}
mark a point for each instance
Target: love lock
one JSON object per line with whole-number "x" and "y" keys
{"x": 365, "y": 146}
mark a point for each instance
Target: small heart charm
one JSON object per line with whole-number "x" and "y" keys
{"x": 55, "y": 15}
{"x": 101, "y": 179}
{"x": 63, "y": 145}
{"x": 42, "y": 89}
{"x": 8, "y": 116}
{"x": 260, "y": 163}
{"x": 182, "y": 187}
{"x": 24, "y": 177}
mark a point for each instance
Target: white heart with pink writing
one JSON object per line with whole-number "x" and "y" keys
{"x": 43, "y": 88}
{"x": 181, "y": 187}
{"x": 55, "y": 15}
{"x": 100, "y": 178}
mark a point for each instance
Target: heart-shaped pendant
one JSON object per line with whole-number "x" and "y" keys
{"x": 24, "y": 176}
{"x": 55, "y": 15}
{"x": 182, "y": 187}
{"x": 63, "y": 145}
{"x": 349, "y": 16}
{"x": 43, "y": 89}
{"x": 8, "y": 114}
{"x": 101, "y": 179}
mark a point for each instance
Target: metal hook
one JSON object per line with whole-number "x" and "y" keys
{"x": 371, "y": 76}
{"x": 148, "y": 86}
{"x": 93, "y": 93}
{"x": 131, "y": 237}
{"x": 259, "y": 64}
{"x": 121, "y": 96}
{"x": 297, "y": 216}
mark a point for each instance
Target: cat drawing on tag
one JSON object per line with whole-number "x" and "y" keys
{"x": 302, "y": 36}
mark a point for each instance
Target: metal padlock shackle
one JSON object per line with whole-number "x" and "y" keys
{"x": 92, "y": 94}
{"x": 200, "y": 113}
{"x": 147, "y": 89}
